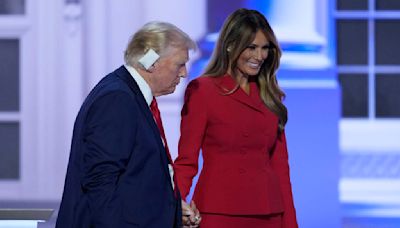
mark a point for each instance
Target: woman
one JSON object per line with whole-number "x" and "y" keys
{"x": 235, "y": 114}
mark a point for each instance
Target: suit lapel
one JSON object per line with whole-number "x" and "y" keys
{"x": 123, "y": 73}
{"x": 227, "y": 83}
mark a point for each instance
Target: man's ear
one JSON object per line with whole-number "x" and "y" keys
{"x": 148, "y": 60}
{"x": 151, "y": 68}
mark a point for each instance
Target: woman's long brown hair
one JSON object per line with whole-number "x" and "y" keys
{"x": 237, "y": 33}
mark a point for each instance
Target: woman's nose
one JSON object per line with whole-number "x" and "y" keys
{"x": 259, "y": 54}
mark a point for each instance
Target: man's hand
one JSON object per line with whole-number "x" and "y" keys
{"x": 190, "y": 215}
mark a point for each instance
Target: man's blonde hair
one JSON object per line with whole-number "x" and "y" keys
{"x": 158, "y": 36}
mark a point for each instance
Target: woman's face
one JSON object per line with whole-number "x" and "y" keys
{"x": 251, "y": 59}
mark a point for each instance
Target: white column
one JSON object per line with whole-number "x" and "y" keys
{"x": 285, "y": 12}
{"x": 49, "y": 82}
{"x": 69, "y": 93}
{"x": 60, "y": 91}
{"x": 125, "y": 18}
{"x": 190, "y": 16}
{"x": 96, "y": 32}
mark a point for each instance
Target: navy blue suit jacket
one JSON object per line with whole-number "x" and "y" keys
{"x": 118, "y": 173}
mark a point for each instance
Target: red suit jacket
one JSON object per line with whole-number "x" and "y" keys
{"x": 245, "y": 169}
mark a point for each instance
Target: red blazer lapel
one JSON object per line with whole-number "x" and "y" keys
{"x": 226, "y": 84}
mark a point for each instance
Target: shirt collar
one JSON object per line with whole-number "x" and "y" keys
{"x": 143, "y": 86}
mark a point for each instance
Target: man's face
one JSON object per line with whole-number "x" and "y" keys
{"x": 168, "y": 70}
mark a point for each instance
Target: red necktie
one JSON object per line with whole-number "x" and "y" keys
{"x": 157, "y": 117}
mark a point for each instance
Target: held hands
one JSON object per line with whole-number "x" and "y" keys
{"x": 190, "y": 215}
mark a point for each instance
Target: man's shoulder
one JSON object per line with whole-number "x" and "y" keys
{"x": 111, "y": 83}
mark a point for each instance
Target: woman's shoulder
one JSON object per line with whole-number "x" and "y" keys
{"x": 203, "y": 79}
{"x": 205, "y": 82}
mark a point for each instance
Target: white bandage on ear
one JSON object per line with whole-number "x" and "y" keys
{"x": 149, "y": 59}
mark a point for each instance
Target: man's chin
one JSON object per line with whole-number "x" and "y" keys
{"x": 169, "y": 91}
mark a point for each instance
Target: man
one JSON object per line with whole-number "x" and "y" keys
{"x": 119, "y": 171}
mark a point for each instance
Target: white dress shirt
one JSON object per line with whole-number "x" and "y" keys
{"x": 148, "y": 96}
